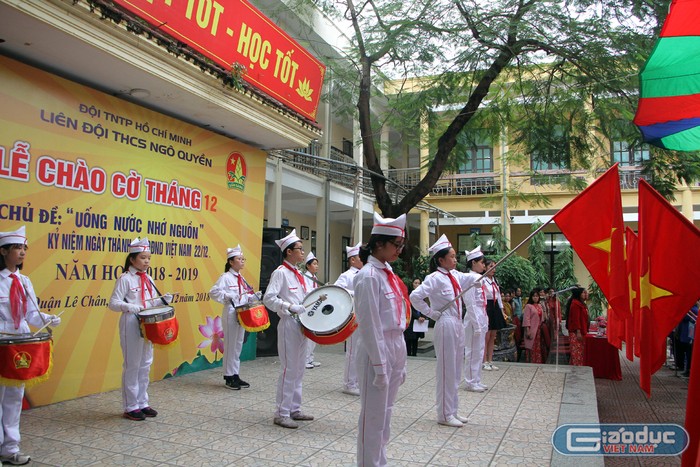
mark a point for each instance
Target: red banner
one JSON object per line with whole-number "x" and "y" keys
{"x": 236, "y": 32}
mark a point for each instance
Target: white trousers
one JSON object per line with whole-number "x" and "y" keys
{"x": 138, "y": 356}
{"x": 11, "y": 406}
{"x": 474, "y": 344}
{"x": 376, "y": 405}
{"x": 233, "y": 343}
{"x": 449, "y": 349}
{"x": 310, "y": 346}
{"x": 350, "y": 376}
{"x": 291, "y": 347}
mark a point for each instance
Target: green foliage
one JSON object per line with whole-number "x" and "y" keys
{"x": 597, "y": 304}
{"x": 515, "y": 272}
{"x": 535, "y": 251}
{"x": 564, "y": 275}
{"x": 416, "y": 267}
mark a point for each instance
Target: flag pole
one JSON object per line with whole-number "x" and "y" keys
{"x": 508, "y": 255}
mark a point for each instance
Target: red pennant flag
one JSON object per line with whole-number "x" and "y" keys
{"x": 669, "y": 276}
{"x": 592, "y": 222}
{"x": 691, "y": 456}
{"x": 632, "y": 325}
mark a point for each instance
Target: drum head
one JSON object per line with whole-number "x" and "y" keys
{"x": 155, "y": 311}
{"x": 330, "y": 307}
{"x": 23, "y": 338}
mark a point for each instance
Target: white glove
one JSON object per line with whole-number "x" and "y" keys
{"x": 253, "y": 297}
{"x": 478, "y": 283}
{"x": 403, "y": 375}
{"x": 168, "y": 297}
{"x": 258, "y": 295}
{"x": 380, "y": 381}
{"x": 131, "y": 308}
{"x": 436, "y": 315}
{"x": 297, "y": 309}
{"x": 54, "y": 320}
{"x": 243, "y": 299}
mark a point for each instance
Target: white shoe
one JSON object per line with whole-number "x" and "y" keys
{"x": 474, "y": 388}
{"x": 487, "y": 366}
{"x": 351, "y": 391}
{"x": 462, "y": 419}
{"x": 482, "y": 386}
{"x": 315, "y": 364}
{"x": 493, "y": 367}
{"x": 451, "y": 421}
{"x": 16, "y": 458}
{"x": 309, "y": 366}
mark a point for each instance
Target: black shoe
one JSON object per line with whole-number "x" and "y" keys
{"x": 240, "y": 382}
{"x": 149, "y": 412}
{"x": 233, "y": 384}
{"x": 136, "y": 415}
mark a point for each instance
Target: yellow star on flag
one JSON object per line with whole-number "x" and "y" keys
{"x": 606, "y": 246}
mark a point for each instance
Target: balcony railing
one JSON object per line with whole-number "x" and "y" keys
{"x": 450, "y": 184}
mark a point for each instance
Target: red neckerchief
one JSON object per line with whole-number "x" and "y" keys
{"x": 455, "y": 287}
{"x": 296, "y": 273}
{"x": 314, "y": 283}
{"x": 400, "y": 295}
{"x": 18, "y": 301}
{"x": 145, "y": 284}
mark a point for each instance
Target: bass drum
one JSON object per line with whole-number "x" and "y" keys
{"x": 330, "y": 318}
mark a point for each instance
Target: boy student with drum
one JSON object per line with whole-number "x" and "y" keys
{"x": 345, "y": 280}
{"x": 135, "y": 291}
{"x": 18, "y": 309}
{"x": 381, "y": 309}
{"x": 442, "y": 287}
{"x": 284, "y": 295}
{"x": 311, "y": 283}
{"x": 233, "y": 291}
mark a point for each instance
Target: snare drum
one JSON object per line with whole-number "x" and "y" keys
{"x": 253, "y": 317}
{"x": 159, "y": 324}
{"x": 25, "y": 358}
{"x": 330, "y": 318}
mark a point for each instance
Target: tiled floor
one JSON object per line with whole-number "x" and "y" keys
{"x": 202, "y": 423}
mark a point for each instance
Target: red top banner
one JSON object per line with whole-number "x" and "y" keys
{"x": 234, "y": 31}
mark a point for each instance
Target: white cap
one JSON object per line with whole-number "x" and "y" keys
{"x": 389, "y": 226}
{"x": 288, "y": 240}
{"x": 353, "y": 250}
{"x": 18, "y": 237}
{"x": 475, "y": 253}
{"x": 310, "y": 257}
{"x": 231, "y": 252}
{"x": 441, "y": 244}
{"x": 137, "y": 246}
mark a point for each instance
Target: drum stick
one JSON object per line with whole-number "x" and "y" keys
{"x": 45, "y": 325}
{"x": 321, "y": 298}
{"x": 156, "y": 298}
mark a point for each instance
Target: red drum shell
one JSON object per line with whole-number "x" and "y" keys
{"x": 333, "y": 338}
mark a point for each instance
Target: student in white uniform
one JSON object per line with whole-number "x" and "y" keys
{"x": 476, "y": 324}
{"x": 18, "y": 309}
{"x": 345, "y": 280}
{"x": 135, "y": 291}
{"x": 284, "y": 295}
{"x": 441, "y": 288}
{"x": 311, "y": 283}
{"x": 381, "y": 307}
{"x": 232, "y": 290}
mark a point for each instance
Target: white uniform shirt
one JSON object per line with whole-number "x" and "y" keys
{"x": 376, "y": 310}
{"x": 33, "y": 316}
{"x": 475, "y": 300}
{"x": 227, "y": 289}
{"x": 127, "y": 291}
{"x": 438, "y": 288}
{"x": 345, "y": 280}
{"x": 491, "y": 288}
{"x": 284, "y": 290}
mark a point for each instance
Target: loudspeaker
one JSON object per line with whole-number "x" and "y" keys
{"x": 270, "y": 259}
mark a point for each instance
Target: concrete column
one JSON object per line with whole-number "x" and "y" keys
{"x": 384, "y": 150}
{"x": 687, "y": 202}
{"x": 322, "y": 226}
{"x": 274, "y": 205}
{"x": 424, "y": 240}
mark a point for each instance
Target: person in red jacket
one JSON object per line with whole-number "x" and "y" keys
{"x": 577, "y": 321}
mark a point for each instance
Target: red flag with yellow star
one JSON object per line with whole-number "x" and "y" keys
{"x": 669, "y": 276}
{"x": 592, "y": 222}
{"x": 632, "y": 332}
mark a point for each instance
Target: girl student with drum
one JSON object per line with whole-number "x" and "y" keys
{"x": 133, "y": 292}
{"x": 232, "y": 290}
{"x": 381, "y": 309}
{"x": 311, "y": 283}
{"x": 442, "y": 287}
{"x": 18, "y": 309}
{"x": 346, "y": 281}
{"x": 284, "y": 295}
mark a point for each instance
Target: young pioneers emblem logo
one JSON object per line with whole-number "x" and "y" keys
{"x": 236, "y": 171}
